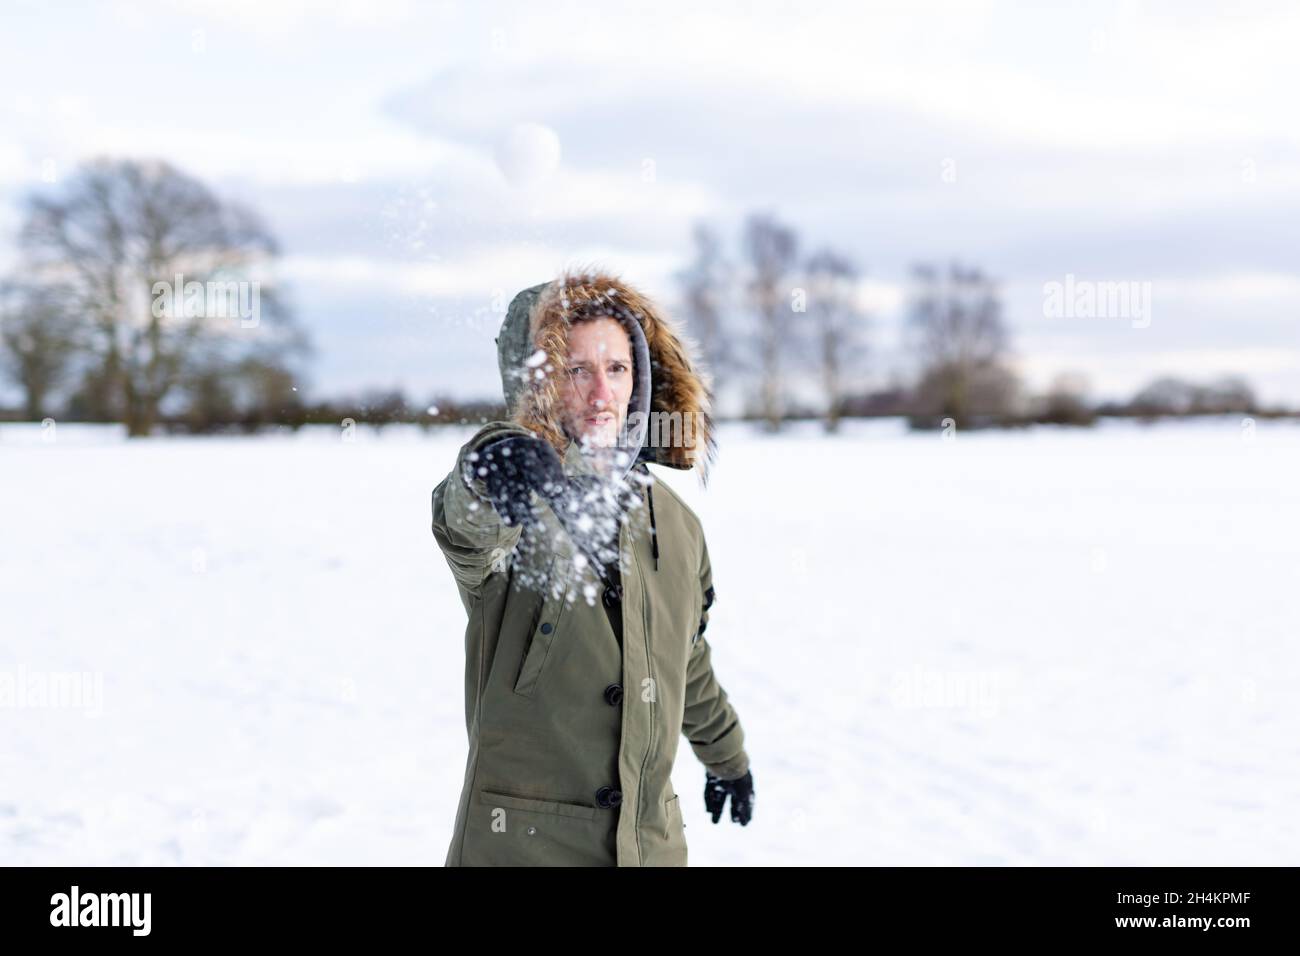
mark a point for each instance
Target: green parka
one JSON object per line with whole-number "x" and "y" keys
{"x": 572, "y": 738}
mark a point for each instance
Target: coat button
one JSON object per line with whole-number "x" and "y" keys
{"x": 546, "y": 628}
{"x": 614, "y": 694}
{"x": 613, "y": 594}
{"x": 607, "y": 797}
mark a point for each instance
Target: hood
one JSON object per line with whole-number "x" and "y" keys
{"x": 532, "y": 351}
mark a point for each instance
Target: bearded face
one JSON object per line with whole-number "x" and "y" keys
{"x": 599, "y": 387}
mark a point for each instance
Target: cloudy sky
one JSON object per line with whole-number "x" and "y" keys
{"x": 422, "y": 162}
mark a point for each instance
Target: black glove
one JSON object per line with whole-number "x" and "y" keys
{"x": 517, "y": 466}
{"x": 742, "y": 797}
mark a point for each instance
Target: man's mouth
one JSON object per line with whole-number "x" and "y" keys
{"x": 600, "y": 419}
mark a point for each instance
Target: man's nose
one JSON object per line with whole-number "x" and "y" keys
{"x": 601, "y": 394}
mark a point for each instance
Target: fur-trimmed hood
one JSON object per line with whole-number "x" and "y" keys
{"x": 532, "y": 352}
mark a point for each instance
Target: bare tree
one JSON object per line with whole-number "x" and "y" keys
{"x": 1169, "y": 395}
{"x": 1066, "y": 401}
{"x": 119, "y": 231}
{"x": 37, "y": 341}
{"x": 838, "y": 322}
{"x": 1166, "y": 395}
{"x": 1228, "y": 394}
{"x": 772, "y": 249}
{"x": 704, "y": 291}
{"x": 956, "y": 317}
{"x": 254, "y": 389}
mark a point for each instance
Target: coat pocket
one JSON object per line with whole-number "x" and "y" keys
{"x": 673, "y": 811}
{"x": 546, "y": 626}
{"x": 675, "y": 851}
{"x": 560, "y": 808}
{"x": 510, "y": 829}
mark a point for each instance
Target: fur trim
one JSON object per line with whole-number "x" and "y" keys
{"x": 677, "y": 385}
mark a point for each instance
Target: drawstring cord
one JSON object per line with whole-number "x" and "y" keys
{"x": 654, "y": 531}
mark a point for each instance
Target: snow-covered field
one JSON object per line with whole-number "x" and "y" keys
{"x": 1045, "y": 647}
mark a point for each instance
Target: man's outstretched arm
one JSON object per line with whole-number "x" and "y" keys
{"x": 470, "y": 532}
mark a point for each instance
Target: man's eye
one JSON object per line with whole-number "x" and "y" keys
{"x": 577, "y": 369}
{"x": 618, "y": 367}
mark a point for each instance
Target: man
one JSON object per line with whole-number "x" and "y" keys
{"x": 588, "y": 587}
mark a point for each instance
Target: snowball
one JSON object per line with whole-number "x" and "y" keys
{"x": 529, "y": 154}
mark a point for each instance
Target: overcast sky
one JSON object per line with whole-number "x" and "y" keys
{"x": 422, "y": 162}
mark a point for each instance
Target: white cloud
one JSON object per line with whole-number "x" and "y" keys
{"x": 1234, "y": 288}
{"x": 487, "y": 273}
{"x": 1082, "y": 78}
{"x": 281, "y": 19}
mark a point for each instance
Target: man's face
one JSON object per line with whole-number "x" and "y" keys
{"x": 599, "y": 381}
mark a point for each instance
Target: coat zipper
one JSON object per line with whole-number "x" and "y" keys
{"x": 654, "y": 718}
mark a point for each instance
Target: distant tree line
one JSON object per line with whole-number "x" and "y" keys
{"x": 771, "y": 312}
{"x": 142, "y": 297}
{"x": 374, "y": 408}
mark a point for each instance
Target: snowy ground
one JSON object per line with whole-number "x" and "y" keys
{"x": 1044, "y": 647}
